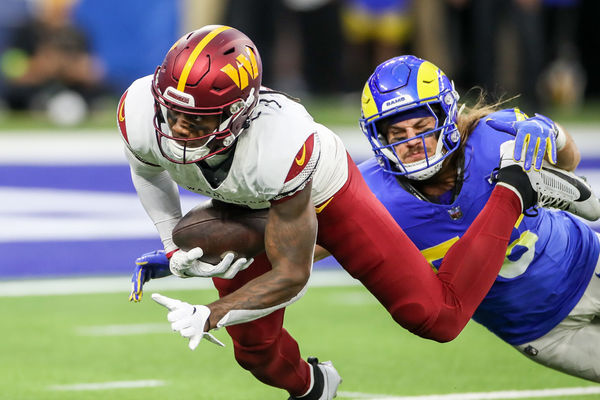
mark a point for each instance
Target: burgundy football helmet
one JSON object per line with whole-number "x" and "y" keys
{"x": 213, "y": 71}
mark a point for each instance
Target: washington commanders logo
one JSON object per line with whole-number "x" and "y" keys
{"x": 245, "y": 66}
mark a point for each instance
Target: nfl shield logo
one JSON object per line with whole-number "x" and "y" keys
{"x": 455, "y": 213}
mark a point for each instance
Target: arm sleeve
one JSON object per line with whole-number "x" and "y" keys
{"x": 234, "y": 317}
{"x": 159, "y": 196}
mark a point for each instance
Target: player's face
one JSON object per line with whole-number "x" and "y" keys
{"x": 412, "y": 150}
{"x": 187, "y": 126}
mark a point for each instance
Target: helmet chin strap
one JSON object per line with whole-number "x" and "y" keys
{"x": 247, "y": 104}
{"x": 250, "y": 98}
{"x": 217, "y": 159}
{"x": 425, "y": 173}
{"x": 179, "y": 151}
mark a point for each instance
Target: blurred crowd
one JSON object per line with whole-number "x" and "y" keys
{"x": 542, "y": 50}
{"x": 47, "y": 62}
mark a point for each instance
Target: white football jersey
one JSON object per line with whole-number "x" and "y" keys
{"x": 281, "y": 150}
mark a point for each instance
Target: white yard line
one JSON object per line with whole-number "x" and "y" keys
{"x": 501, "y": 395}
{"x": 108, "y": 385}
{"x": 124, "y": 329}
{"x": 122, "y": 284}
{"x": 66, "y": 286}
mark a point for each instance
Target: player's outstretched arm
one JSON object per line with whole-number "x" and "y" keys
{"x": 290, "y": 237}
{"x": 159, "y": 195}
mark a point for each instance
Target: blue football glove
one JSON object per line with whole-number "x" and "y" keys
{"x": 534, "y": 137}
{"x": 152, "y": 265}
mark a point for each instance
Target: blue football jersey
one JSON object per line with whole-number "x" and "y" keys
{"x": 550, "y": 258}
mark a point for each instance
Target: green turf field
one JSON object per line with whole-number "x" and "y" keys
{"x": 50, "y": 343}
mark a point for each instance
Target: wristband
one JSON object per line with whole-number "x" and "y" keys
{"x": 560, "y": 139}
{"x": 170, "y": 254}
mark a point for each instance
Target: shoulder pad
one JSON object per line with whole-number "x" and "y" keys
{"x": 303, "y": 167}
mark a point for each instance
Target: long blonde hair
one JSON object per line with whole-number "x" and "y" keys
{"x": 469, "y": 116}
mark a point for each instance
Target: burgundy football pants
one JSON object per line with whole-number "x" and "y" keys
{"x": 363, "y": 237}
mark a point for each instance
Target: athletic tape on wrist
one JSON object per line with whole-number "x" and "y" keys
{"x": 561, "y": 138}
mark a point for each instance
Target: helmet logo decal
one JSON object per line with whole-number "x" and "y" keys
{"x": 398, "y": 101}
{"x": 180, "y": 98}
{"x": 194, "y": 56}
{"x": 244, "y": 67}
{"x": 368, "y": 106}
{"x": 428, "y": 80}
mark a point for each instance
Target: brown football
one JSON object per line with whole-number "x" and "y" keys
{"x": 219, "y": 228}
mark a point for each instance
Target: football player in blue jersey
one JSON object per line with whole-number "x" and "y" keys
{"x": 434, "y": 171}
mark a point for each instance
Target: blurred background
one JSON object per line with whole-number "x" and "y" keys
{"x": 84, "y": 53}
{"x": 67, "y": 206}
{"x": 71, "y": 223}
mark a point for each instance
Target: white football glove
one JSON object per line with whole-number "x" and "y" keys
{"x": 187, "y": 319}
{"x": 186, "y": 264}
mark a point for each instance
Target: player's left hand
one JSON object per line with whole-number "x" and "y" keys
{"x": 189, "y": 320}
{"x": 186, "y": 264}
{"x": 152, "y": 265}
{"x": 534, "y": 138}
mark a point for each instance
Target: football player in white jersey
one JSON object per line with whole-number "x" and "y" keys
{"x": 204, "y": 122}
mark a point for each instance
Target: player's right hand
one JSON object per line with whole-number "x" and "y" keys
{"x": 187, "y": 264}
{"x": 535, "y": 138}
{"x": 187, "y": 319}
{"x": 152, "y": 265}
